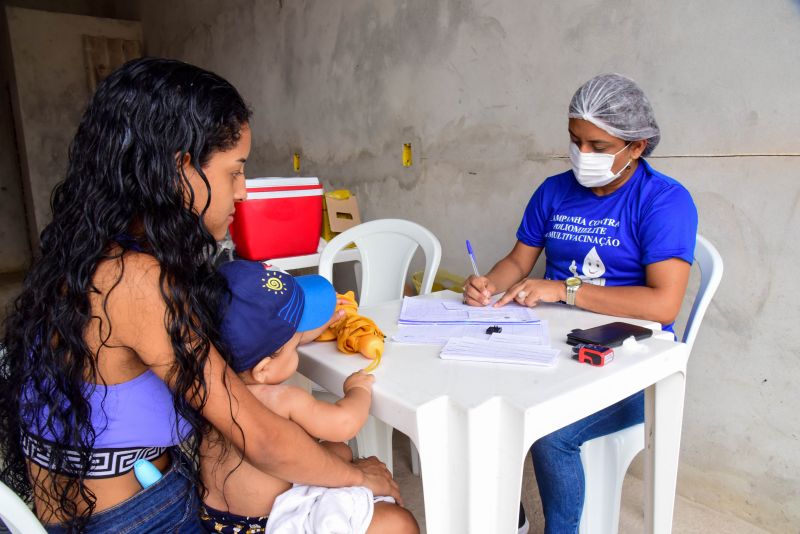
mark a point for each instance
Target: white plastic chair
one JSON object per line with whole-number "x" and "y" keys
{"x": 386, "y": 247}
{"x": 16, "y": 515}
{"x": 606, "y": 459}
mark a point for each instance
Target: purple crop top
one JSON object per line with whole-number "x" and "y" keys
{"x": 131, "y": 420}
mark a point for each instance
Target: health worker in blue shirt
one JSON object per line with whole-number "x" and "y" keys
{"x": 619, "y": 239}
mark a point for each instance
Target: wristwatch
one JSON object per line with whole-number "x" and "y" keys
{"x": 573, "y": 283}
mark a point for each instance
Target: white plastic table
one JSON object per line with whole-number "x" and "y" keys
{"x": 473, "y": 423}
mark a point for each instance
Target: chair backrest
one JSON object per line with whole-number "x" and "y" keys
{"x": 386, "y": 247}
{"x": 710, "y": 263}
{"x": 16, "y": 515}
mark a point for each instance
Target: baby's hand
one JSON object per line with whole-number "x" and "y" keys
{"x": 359, "y": 379}
{"x": 337, "y": 316}
{"x": 310, "y": 335}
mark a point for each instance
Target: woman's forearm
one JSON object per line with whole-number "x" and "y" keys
{"x": 272, "y": 443}
{"x": 514, "y": 267}
{"x": 504, "y": 274}
{"x": 286, "y": 451}
{"x": 660, "y": 300}
{"x": 638, "y": 302}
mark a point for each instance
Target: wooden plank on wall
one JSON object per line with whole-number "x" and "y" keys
{"x": 104, "y": 54}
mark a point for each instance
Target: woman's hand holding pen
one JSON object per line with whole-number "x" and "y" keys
{"x": 529, "y": 292}
{"x": 478, "y": 290}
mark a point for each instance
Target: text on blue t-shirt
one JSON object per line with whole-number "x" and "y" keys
{"x": 609, "y": 240}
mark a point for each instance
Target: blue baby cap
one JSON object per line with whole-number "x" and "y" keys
{"x": 266, "y": 307}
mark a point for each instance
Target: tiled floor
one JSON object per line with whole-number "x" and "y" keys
{"x": 689, "y": 517}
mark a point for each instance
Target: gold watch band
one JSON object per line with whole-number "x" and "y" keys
{"x": 572, "y": 285}
{"x": 571, "y": 293}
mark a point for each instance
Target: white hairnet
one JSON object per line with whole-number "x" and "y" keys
{"x": 617, "y": 105}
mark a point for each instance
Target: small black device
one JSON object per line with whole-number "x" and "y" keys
{"x": 608, "y": 335}
{"x": 494, "y": 329}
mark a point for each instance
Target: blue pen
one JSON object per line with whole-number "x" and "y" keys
{"x": 472, "y": 259}
{"x": 474, "y": 265}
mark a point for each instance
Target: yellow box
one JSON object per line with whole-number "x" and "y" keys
{"x": 444, "y": 279}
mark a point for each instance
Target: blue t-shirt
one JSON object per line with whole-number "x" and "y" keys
{"x": 609, "y": 240}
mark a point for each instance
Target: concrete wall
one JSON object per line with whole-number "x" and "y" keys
{"x": 15, "y": 252}
{"x": 50, "y": 93}
{"x": 481, "y": 89}
{"x": 114, "y": 9}
{"x": 14, "y": 239}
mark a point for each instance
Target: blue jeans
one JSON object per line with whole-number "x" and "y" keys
{"x": 557, "y": 461}
{"x": 170, "y": 505}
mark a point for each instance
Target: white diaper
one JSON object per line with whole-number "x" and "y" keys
{"x": 315, "y": 510}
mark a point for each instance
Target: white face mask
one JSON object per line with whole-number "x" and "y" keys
{"x": 593, "y": 169}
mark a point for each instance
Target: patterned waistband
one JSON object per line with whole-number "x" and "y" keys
{"x": 214, "y": 520}
{"x": 103, "y": 463}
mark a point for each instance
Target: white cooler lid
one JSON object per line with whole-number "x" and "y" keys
{"x": 253, "y": 183}
{"x": 261, "y": 195}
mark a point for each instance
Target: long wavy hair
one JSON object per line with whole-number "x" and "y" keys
{"x": 123, "y": 182}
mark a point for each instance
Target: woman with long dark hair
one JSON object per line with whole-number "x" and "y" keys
{"x": 112, "y": 350}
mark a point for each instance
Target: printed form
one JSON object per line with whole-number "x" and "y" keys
{"x": 417, "y": 310}
{"x": 515, "y": 335}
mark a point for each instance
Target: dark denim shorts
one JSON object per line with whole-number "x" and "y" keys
{"x": 170, "y": 505}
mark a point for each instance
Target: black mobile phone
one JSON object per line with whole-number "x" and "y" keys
{"x": 608, "y": 335}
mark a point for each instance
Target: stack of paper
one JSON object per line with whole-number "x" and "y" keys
{"x": 499, "y": 348}
{"x": 434, "y": 311}
{"x": 511, "y": 334}
{"x": 534, "y": 333}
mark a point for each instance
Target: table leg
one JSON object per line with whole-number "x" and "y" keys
{"x": 496, "y": 459}
{"x": 472, "y": 465}
{"x": 442, "y": 447}
{"x": 375, "y": 439}
{"x": 663, "y": 419}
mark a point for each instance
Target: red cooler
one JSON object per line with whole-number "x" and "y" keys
{"x": 281, "y": 217}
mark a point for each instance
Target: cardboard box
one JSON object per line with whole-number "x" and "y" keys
{"x": 340, "y": 215}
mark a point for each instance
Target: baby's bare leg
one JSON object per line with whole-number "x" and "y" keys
{"x": 339, "y": 449}
{"x": 388, "y": 518}
{"x": 392, "y": 519}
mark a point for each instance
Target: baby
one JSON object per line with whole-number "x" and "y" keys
{"x": 268, "y": 315}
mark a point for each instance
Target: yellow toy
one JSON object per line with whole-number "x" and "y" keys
{"x": 355, "y": 333}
